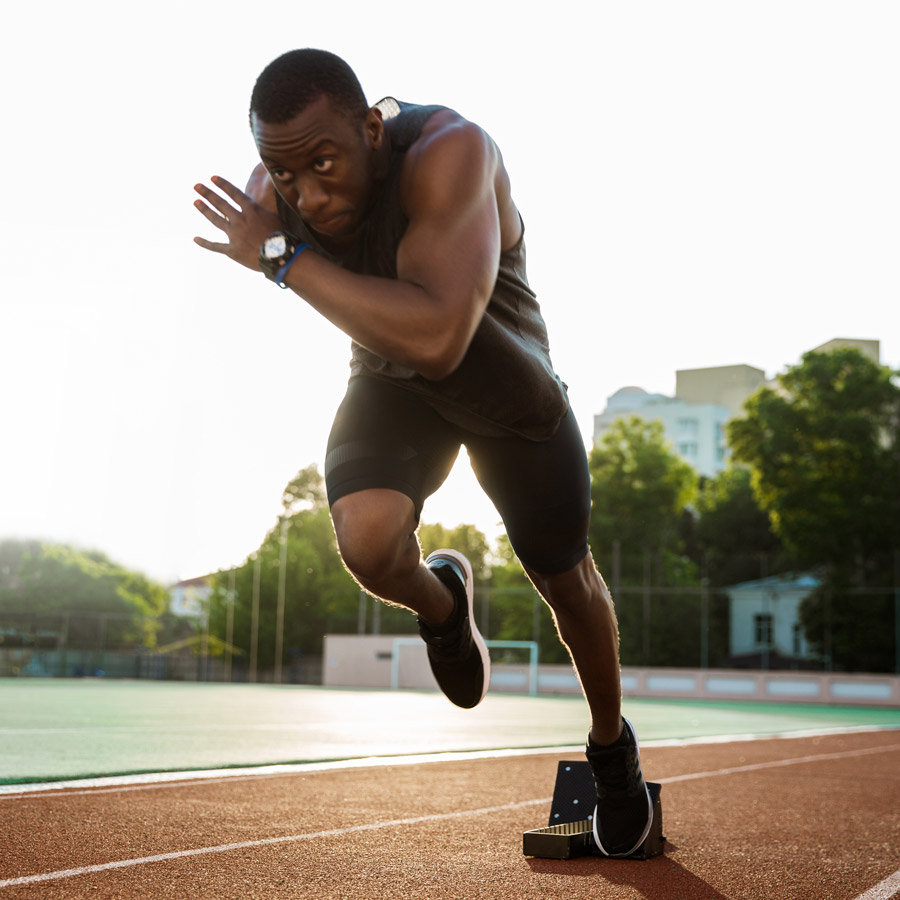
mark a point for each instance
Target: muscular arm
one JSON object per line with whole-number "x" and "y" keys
{"x": 447, "y": 260}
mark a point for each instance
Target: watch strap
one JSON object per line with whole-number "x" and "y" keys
{"x": 281, "y": 274}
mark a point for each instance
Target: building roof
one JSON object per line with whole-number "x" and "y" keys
{"x": 202, "y": 581}
{"x": 788, "y": 581}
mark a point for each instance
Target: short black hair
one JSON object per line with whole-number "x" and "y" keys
{"x": 299, "y": 77}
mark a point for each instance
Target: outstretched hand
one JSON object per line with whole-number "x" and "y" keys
{"x": 244, "y": 222}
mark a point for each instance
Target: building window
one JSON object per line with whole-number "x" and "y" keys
{"x": 688, "y": 449}
{"x": 688, "y": 428}
{"x": 762, "y": 627}
{"x": 798, "y": 639}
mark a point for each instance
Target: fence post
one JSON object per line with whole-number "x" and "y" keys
{"x": 64, "y": 646}
{"x": 616, "y": 566}
{"x": 704, "y": 615}
{"x": 897, "y": 611}
{"x": 646, "y": 609}
{"x": 279, "y": 618}
{"x": 229, "y": 626}
{"x": 254, "y": 617}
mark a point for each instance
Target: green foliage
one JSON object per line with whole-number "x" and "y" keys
{"x": 467, "y": 539}
{"x": 320, "y": 596}
{"x": 43, "y": 579}
{"x": 306, "y": 488}
{"x": 639, "y": 490}
{"x": 824, "y": 450}
{"x": 517, "y": 612}
{"x": 848, "y": 628}
{"x": 825, "y": 455}
{"x": 734, "y": 539}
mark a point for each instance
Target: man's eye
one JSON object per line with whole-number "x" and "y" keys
{"x": 323, "y": 165}
{"x": 279, "y": 174}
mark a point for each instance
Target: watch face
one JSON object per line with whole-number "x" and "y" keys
{"x": 275, "y": 245}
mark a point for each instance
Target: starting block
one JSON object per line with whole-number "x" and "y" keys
{"x": 570, "y": 833}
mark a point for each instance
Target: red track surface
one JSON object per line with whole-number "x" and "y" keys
{"x": 824, "y": 825}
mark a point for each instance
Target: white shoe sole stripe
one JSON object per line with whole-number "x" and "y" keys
{"x": 649, "y": 808}
{"x": 464, "y": 564}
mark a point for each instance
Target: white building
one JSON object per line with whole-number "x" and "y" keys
{"x": 188, "y": 598}
{"x": 705, "y": 399}
{"x": 694, "y": 419}
{"x": 765, "y": 616}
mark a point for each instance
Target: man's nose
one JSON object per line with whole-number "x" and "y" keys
{"x": 312, "y": 197}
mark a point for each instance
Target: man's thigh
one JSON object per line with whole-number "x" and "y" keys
{"x": 542, "y": 490}
{"x": 384, "y": 437}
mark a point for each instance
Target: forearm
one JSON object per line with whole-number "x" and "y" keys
{"x": 398, "y": 320}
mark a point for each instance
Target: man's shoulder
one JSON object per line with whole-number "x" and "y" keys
{"x": 413, "y": 127}
{"x": 436, "y": 137}
{"x": 260, "y": 188}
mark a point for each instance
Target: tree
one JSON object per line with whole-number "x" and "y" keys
{"x": 306, "y": 489}
{"x": 824, "y": 450}
{"x": 640, "y": 490}
{"x": 734, "y": 539}
{"x": 731, "y": 542}
{"x": 320, "y": 596}
{"x": 517, "y": 611}
{"x": 467, "y": 539}
{"x": 100, "y": 600}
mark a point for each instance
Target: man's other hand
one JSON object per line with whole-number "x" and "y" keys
{"x": 244, "y": 222}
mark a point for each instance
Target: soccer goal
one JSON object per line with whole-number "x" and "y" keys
{"x": 504, "y": 674}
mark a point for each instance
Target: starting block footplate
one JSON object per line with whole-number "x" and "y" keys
{"x": 569, "y": 833}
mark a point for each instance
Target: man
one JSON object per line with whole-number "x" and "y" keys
{"x": 396, "y": 223}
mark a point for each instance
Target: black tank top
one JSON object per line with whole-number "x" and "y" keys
{"x": 505, "y": 384}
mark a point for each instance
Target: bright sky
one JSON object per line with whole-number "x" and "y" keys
{"x": 703, "y": 183}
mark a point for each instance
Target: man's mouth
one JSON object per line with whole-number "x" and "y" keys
{"x": 330, "y": 226}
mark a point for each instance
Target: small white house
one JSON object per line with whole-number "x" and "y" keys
{"x": 765, "y": 619}
{"x": 188, "y": 598}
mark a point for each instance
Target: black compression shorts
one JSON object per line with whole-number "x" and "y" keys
{"x": 386, "y": 437}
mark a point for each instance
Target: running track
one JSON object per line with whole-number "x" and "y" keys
{"x": 810, "y": 818}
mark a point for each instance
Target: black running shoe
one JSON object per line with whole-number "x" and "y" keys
{"x": 624, "y": 811}
{"x": 457, "y": 652}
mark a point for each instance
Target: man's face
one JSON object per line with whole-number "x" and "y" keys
{"x": 324, "y": 166}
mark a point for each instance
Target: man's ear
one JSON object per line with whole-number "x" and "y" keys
{"x": 374, "y": 128}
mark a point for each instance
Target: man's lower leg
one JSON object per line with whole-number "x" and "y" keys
{"x": 586, "y": 619}
{"x": 587, "y": 624}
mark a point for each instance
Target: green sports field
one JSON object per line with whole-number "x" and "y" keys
{"x": 58, "y": 729}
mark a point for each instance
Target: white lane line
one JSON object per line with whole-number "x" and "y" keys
{"x": 153, "y": 780}
{"x": 224, "y": 848}
{"x": 754, "y": 767}
{"x": 884, "y": 890}
{"x": 265, "y": 842}
{"x": 147, "y": 781}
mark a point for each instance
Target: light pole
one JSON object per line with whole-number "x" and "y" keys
{"x": 279, "y": 618}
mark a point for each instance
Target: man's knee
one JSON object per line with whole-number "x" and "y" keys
{"x": 575, "y": 592}
{"x": 373, "y": 530}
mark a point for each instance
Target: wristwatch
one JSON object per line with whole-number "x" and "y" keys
{"x": 277, "y": 253}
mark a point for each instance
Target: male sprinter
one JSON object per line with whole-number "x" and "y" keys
{"x": 397, "y": 224}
